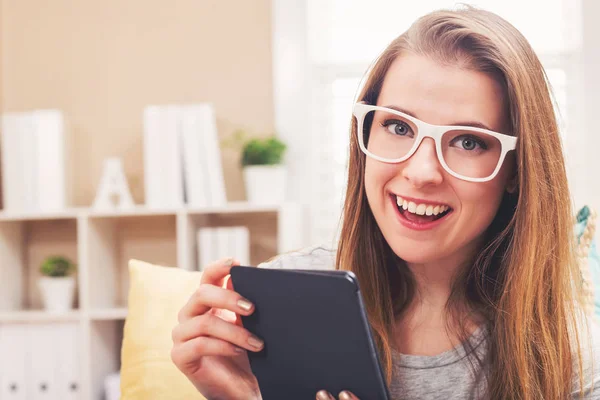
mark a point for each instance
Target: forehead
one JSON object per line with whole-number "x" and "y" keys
{"x": 441, "y": 94}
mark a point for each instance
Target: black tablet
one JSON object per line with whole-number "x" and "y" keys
{"x": 316, "y": 334}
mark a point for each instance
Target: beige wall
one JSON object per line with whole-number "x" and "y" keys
{"x": 102, "y": 61}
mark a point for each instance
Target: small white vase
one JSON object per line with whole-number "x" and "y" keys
{"x": 265, "y": 184}
{"x": 57, "y": 293}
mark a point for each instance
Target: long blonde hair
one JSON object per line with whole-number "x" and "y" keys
{"x": 522, "y": 279}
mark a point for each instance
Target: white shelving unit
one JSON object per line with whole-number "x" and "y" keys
{"x": 102, "y": 243}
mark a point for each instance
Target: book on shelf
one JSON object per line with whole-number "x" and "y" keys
{"x": 194, "y": 163}
{"x": 215, "y": 243}
{"x": 33, "y": 161}
{"x": 212, "y": 154}
{"x": 182, "y": 157}
{"x": 163, "y": 175}
{"x": 206, "y": 245}
{"x": 50, "y": 137}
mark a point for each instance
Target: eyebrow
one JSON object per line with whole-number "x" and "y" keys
{"x": 473, "y": 124}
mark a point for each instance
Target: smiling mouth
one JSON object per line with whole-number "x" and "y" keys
{"x": 421, "y": 213}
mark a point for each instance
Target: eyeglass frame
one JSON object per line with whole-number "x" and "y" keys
{"x": 424, "y": 129}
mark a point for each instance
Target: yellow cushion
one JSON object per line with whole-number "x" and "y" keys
{"x": 156, "y": 294}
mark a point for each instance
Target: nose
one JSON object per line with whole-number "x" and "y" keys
{"x": 423, "y": 167}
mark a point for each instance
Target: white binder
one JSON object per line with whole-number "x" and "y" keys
{"x": 163, "y": 167}
{"x": 224, "y": 248}
{"x": 28, "y": 157}
{"x": 50, "y": 157}
{"x": 215, "y": 243}
{"x": 42, "y": 368}
{"x": 212, "y": 153}
{"x": 172, "y": 169}
{"x": 241, "y": 247}
{"x": 152, "y": 192}
{"x": 33, "y": 152}
{"x": 194, "y": 161}
{"x": 68, "y": 345}
{"x": 13, "y": 362}
{"x": 206, "y": 242}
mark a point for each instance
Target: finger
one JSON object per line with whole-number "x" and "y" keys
{"x": 324, "y": 395}
{"x": 186, "y": 355}
{"x": 236, "y": 317}
{"x": 228, "y": 281}
{"x": 215, "y": 272}
{"x": 215, "y": 327}
{"x": 346, "y": 395}
{"x": 210, "y": 296}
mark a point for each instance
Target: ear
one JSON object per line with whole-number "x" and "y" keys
{"x": 512, "y": 184}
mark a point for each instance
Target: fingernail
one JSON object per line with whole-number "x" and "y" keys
{"x": 255, "y": 342}
{"x": 239, "y": 350}
{"x": 229, "y": 261}
{"x": 244, "y": 304}
{"x": 323, "y": 395}
{"x": 345, "y": 395}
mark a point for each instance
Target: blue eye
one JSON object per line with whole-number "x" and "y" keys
{"x": 469, "y": 143}
{"x": 398, "y": 128}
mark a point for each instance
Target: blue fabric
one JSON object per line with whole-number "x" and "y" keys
{"x": 593, "y": 257}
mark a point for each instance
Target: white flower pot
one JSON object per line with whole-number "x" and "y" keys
{"x": 265, "y": 184}
{"x": 57, "y": 293}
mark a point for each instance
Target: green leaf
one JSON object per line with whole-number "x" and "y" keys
{"x": 263, "y": 151}
{"x": 57, "y": 267}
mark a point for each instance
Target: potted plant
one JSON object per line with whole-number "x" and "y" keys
{"x": 57, "y": 283}
{"x": 263, "y": 169}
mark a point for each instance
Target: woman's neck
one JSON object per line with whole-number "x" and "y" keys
{"x": 432, "y": 291}
{"x": 423, "y": 326}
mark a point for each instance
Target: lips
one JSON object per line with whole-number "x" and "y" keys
{"x": 417, "y": 220}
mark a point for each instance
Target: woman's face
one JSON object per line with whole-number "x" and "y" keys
{"x": 440, "y": 95}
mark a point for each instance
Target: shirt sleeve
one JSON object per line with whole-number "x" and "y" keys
{"x": 315, "y": 257}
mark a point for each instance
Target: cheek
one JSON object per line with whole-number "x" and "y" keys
{"x": 377, "y": 175}
{"x": 480, "y": 201}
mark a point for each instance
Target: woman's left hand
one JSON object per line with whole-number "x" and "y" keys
{"x": 344, "y": 395}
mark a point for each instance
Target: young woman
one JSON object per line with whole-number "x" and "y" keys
{"x": 457, "y": 222}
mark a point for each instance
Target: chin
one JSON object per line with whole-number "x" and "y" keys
{"x": 417, "y": 255}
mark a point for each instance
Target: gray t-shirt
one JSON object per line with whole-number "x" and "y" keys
{"x": 449, "y": 375}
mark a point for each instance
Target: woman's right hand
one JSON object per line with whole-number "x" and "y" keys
{"x": 210, "y": 343}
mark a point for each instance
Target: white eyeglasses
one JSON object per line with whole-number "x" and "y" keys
{"x": 466, "y": 152}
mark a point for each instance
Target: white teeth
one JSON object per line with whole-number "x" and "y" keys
{"x": 412, "y": 207}
{"x": 420, "y": 209}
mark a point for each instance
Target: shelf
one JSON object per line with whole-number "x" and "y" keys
{"x": 24, "y": 245}
{"x": 102, "y": 243}
{"x": 235, "y": 207}
{"x": 69, "y": 213}
{"x": 132, "y": 212}
{"x": 38, "y": 316}
{"x": 109, "y": 314}
{"x": 110, "y": 244}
